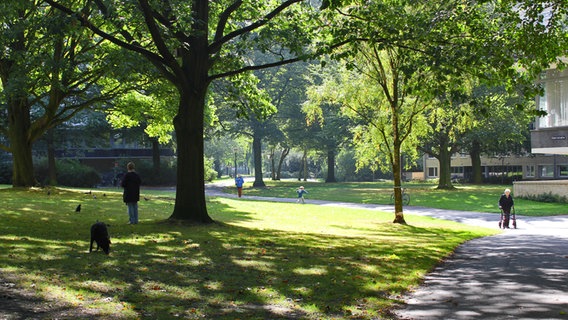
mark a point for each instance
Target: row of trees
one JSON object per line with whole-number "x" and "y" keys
{"x": 155, "y": 61}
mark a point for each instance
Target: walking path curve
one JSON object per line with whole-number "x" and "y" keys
{"x": 519, "y": 274}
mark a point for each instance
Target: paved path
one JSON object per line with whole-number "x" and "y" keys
{"x": 519, "y": 274}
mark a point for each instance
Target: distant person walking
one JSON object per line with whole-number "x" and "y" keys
{"x": 506, "y": 203}
{"x": 301, "y": 191}
{"x": 239, "y": 181}
{"x": 131, "y": 195}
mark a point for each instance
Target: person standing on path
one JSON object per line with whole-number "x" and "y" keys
{"x": 239, "y": 181}
{"x": 506, "y": 203}
{"x": 131, "y": 195}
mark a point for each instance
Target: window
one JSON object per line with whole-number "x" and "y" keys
{"x": 563, "y": 170}
{"x": 530, "y": 171}
{"x": 457, "y": 170}
{"x": 432, "y": 172}
{"x": 555, "y": 100}
{"x": 546, "y": 171}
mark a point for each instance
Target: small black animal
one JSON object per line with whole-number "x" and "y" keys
{"x": 99, "y": 234}
{"x": 78, "y": 209}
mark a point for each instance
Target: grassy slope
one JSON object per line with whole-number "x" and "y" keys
{"x": 260, "y": 261}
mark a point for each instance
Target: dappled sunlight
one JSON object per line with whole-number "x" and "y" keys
{"x": 261, "y": 260}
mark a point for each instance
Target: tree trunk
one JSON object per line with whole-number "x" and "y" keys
{"x": 475, "y": 155}
{"x": 445, "y": 160}
{"x": 156, "y": 156}
{"x": 305, "y": 163}
{"x": 190, "y": 202}
{"x": 257, "y": 154}
{"x": 330, "y": 167}
{"x": 272, "y": 165}
{"x": 51, "y": 167}
{"x": 283, "y": 156}
{"x": 19, "y": 125}
{"x": 396, "y": 167}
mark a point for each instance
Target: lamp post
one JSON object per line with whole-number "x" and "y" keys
{"x": 235, "y": 149}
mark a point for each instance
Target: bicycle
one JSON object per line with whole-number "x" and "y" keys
{"x": 405, "y": 197}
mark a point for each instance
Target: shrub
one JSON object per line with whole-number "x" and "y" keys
{"x": 70, "y": 173}
{"x": 6, "y": 173}
{"x": 546, "y": 197}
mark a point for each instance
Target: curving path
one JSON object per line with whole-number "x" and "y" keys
{"x": 519, "y": 274}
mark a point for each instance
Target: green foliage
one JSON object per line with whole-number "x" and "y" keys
{"x": 5, "y": 172}
{"x": 546, "y": 197}
{"x": 70, "y": 173}
{"x": 210, "y": 173}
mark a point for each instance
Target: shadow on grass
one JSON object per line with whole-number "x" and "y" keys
{"x": 221, "y": 271}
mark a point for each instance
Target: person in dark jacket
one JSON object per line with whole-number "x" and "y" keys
{"x": 506, "y": 203}
{"x": 131, "y": 195}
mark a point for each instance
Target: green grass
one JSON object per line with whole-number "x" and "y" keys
{"x": 476, "y": 198}
{"x": 261, "y": 260}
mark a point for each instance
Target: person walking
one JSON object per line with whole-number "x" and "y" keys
{"x": 301, "y": 191}
{"x": 506, "y": 203}
{"x": 239, "y": 181}
{"x": 131, "y": 195}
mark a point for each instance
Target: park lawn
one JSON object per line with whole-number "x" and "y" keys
{"x": 260, "y": 260}
{"x": 476, "y": 198}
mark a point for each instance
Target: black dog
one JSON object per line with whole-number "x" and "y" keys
{"x": 99, "y": 234}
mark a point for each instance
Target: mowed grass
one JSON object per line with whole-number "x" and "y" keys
{"x": 476, "y": 198}
{"x": 261, "y": 260}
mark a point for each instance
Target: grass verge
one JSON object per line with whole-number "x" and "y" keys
{"x": 261, "y": 260}
{"x": 475, "y": 198}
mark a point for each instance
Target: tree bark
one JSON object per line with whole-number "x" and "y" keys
{"x": 257, "y": 154}
{"x": 190, "y": 191}
{"x": 51, "y": 167}
{"x": 19, "y": 126}
{"x": 445, "y": 160}
{"x": 475, "y": 155}
{"x": 156, "y": 165}
{"x": 330, "y": 167}
{"x": 283, "y": 156}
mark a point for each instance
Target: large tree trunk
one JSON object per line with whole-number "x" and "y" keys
{"x": 330, "y": 166}
{"x": 19, "y": 124}
{"x": 257, "y": 154}
{"x": 190, "y": 202}
{"x": 475, "y": 155}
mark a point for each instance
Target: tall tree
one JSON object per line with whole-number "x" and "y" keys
{"x": 193, "y": 44}
{"x": 49, "y": 72}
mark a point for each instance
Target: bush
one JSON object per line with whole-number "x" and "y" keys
{"x": 5, "y": 173}
{"x": 70, "y": 173}
{"x": 546, "y": 197}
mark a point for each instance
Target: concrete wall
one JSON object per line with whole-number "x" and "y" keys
{"x": 538, "y": 187}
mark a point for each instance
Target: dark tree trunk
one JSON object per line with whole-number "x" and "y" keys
{"x": 51, "y": 167}
{"x": 19, "y": 125}
{"x": 330, "y": 166}
{"x": 305, "y": 165}
{"x": 257, "y": 154}
{"x": 283, "y": 156}
{"x": 475, "y": 155}
{"x": 156, "y": 156}
{"x": 396, "y": 167}
{"x": 445, "y": 160}
{"x": 272, "y": 165}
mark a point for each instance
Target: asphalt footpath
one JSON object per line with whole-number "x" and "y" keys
{"x": 519, "y": 274}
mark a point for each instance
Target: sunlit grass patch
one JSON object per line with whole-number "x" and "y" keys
{"x": 260, "y": 260}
